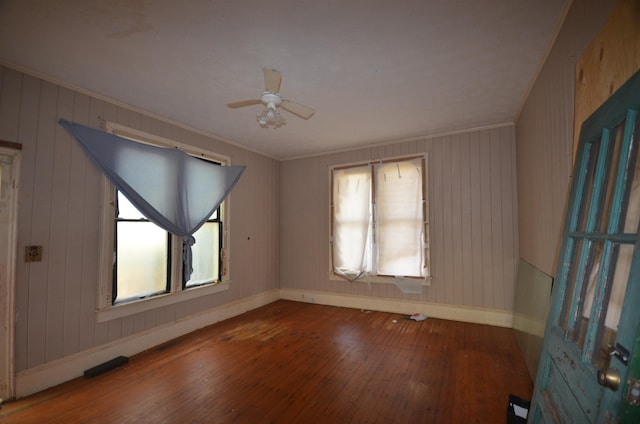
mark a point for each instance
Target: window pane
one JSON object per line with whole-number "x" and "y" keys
{"x": 205, "y": 255}
{"x": 618, "y": 287}
{"x": 633, "y": 209}
{"x": 399, "y": 220}
{"x": 586, "y": 297}
{"x": 351, "y": 219}
{"x": 126, "y": 210}
{"x": 585, "y": 200}
{"x": 610, "y": 181}
{"x": 566, "y": 320}
{"x": 142, "y": 252}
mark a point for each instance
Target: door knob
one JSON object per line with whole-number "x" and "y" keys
{"x": 609, "y": 378}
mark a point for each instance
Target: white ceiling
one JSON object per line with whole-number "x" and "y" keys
{"x": 374, "y": 70}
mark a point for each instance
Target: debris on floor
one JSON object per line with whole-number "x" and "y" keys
{"x": 418, "y": 317}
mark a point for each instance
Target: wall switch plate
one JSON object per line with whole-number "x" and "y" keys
{"x": 33, "y": 253}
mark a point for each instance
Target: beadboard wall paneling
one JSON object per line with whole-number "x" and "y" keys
{"x": 472, "y": 220}
{"x": 544, "y": 134}
{"x": 59, "y": 209}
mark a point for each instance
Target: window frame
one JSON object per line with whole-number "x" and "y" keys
{"x": 367, "y": 278}
{"x": 107, "y": 311}
{"x": 220, "y": 221}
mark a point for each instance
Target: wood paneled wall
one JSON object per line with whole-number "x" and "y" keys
{"x": 59, "y": 209}
{"x": 544, "y": 134}
{"x": 472, "y": 194}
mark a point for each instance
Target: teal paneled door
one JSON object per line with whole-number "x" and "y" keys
{"x": 584, "y": 371}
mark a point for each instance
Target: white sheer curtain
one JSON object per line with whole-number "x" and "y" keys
{"x": 172, "y": 189}
{"x": 399, "y": 221}
{"x": 352, "y": 221}
{"x": 378, "y": 222}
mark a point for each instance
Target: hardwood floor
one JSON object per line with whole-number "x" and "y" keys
{"x": 291, "y": 362}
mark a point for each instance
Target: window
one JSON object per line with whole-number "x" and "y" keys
{"x": 142, "y": 264}
{"x": 142, "y": 261}
{"x": 379, "y": 220}
{"x": 207, "y": 253}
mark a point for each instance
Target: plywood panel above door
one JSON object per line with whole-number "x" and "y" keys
{"x": 610, "y": 60}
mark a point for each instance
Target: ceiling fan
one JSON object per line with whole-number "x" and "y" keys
{"x": 272, "y": 100}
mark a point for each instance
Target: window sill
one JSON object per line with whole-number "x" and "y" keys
{"x": 118, "y": 311}
{"x": 426, "y": 282}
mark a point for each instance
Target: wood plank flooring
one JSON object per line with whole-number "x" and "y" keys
{"x": 291, "y": 362}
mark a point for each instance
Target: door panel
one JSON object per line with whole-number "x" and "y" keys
{"x": 562, "y": 402}
{"x": 592, "y": 324}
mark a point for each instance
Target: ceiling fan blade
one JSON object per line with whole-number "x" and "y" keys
{"x": 244, "y": 103}
{"x": 297, "y": 109}
{"x": 272, "y": 80}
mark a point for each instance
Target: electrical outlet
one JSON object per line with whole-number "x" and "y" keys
{"x": 33, "y": 253}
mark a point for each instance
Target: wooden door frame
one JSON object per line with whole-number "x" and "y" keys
{"x": 7, "y": 288}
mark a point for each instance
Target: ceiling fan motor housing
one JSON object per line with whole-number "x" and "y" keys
{"x": 268, "y": 98}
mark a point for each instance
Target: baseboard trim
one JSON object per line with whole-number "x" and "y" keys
{"x": 495, "y": 317}
{"x": 56, "y": 372}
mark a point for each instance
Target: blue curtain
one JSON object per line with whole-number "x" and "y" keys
{"x": 172, "y": 189}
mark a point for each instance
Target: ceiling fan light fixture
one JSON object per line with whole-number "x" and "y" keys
{"x": 272, "y": 100}
{"x": 270, "y": 115}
